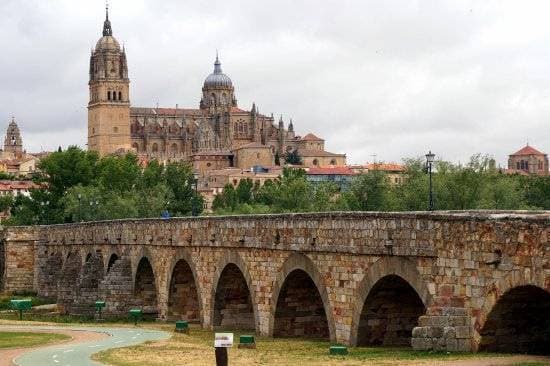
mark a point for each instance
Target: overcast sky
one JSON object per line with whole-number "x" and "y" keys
{"x": 391, "y": 78}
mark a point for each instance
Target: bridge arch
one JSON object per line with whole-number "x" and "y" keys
{"x": 145, "y": 287}
{"x": 232, "y": 286}
{"x": 387, "y": 272}
{"x": 68, "y": 282}
{"x": 183, "y": 289}
{"x": 111, "y": 260}
{"x": 91, "y": 277}
{"x": 299, "y": 277}
{"x": 51, "y": 274}
{"x": 514, "y": 306}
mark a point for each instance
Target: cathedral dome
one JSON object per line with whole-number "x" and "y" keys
{"x": 107, "y": 43}
{"x": 217, "y": 78}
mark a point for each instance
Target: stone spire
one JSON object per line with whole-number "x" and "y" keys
{"x": 107, "y": 30}
{"x": 13, "y": 141}
{"x": 290, "y": 126}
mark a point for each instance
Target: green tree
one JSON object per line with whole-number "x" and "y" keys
{"x": 369, "y": 192}
{"x": 293, "y": 158}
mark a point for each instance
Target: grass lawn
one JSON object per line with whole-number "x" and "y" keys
{"x": 28, "y": 339}
{"x": 197, "y": 349}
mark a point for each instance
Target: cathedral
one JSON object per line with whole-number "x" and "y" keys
{"x": 216, "y": 135}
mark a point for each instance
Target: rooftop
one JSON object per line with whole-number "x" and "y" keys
{"x": 527, "y": 150}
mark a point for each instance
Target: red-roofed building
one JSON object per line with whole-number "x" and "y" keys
{"x": 341, "y": 176}
{"x": 528, "y": 160}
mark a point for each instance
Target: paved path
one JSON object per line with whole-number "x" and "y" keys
{"x": 78, "y": 354}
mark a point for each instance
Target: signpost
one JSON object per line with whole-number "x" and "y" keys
{"x": 222, "y": 341}
{"x": 21, "y": 305}
{"x": 135, "y": 314}
{"x": 98, "y": 306}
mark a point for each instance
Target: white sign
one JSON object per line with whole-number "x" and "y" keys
{"x": 223, "y": 340}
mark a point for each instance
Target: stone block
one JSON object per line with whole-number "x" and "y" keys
{"x": 458, "y": 320}
{"x": 449, "y": 332}
{"x": 463, "y": 331}
{"x": 451, "y": 344}
{"x": 420, "y": 332}
{"x": 435, "y": 332}
{"x": 421, "y": 344}
{"x": 464, "y": 345}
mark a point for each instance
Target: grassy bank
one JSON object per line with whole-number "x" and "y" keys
{"x": 28, "y": 339}
{"x": 197, "y": 349}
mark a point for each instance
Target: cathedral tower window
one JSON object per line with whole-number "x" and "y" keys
{"x": 119, "y": 95}
{"x": 109, "y": 95}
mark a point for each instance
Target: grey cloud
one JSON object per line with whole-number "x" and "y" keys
{"x": 395, "y": 78}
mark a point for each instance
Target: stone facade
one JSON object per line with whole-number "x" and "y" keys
{"x": 528, "y": 160}
{"x": 433, "y": 280}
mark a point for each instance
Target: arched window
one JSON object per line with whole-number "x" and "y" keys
{"x": 315, "y": 162}
{"x": 213, "y": 98}
{"x": 119, "y": 95}
{"x": 155, "y": 147}
{"x": 333, "y": 162}
{"x": 109, "y": 95}
{"x": 174, "y": 148}
{"x": 224, "y": 99}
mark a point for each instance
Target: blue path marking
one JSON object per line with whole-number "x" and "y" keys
{"x": 79, "y": 354}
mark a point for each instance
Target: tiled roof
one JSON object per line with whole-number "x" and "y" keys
{"x": 253, "y": 145}
{"x": 313, "y": 153}
{"x": 528, "y": 150}
{"x": 331, "y": 171}
{"x": 164, "y": 111}
{"x": 311, "y": 137}
{"x": 387, "y": 167}
{"x": 9, "y": 185}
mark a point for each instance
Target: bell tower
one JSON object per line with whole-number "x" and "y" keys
{"x": 109, "y": 102}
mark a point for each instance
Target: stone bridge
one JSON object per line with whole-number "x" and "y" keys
{"x": 454, "y": 281}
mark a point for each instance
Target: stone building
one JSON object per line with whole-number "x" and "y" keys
{"x": 13, "y": 142}
{"x": 215, "y": 135}
{"x": 528, "y": 160}
{"x": 14, "y": 159}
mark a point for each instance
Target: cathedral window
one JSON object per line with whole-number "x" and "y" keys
{"x": 315, "y": 162}
{"x": 109, "y": 95}
{"x": 119, "y": 95}
{"x": 333, "y": 162}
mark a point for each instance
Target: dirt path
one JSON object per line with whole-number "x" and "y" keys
{"x": 77, "y": 336}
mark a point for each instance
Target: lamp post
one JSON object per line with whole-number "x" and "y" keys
{"x": 44, "y": 209}
{"x": 429, "y": 161}
{"x": 194, "y": 210}
{"x": 93, "y": 208}
{"x": 79, "y": 196}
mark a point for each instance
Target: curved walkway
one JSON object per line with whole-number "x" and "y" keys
{"x": 78, "y": 351}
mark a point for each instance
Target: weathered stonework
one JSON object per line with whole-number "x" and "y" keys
{"x": 426, "y": 279}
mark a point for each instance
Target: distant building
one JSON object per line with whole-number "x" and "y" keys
{"x": 216, "y": 134}
{"x": 394, "y": 172}
{"x": 340, "y": 176}
{"x": 528, "y": 160}
{"x": 14, "y": 159}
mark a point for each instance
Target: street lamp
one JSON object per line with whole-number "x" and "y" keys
{"x": 194, "y": 210}
{"x": 44, "y": 206}
{"x": 93, "y": 207}
{"x": 79, "y": 207}
{"x": 429, "y": 160}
